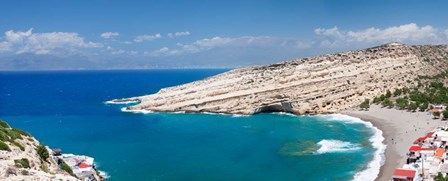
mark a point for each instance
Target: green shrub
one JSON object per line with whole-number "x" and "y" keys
{"x": 24, "y": 133}
{"x": 412, "y": 106}
{"x": 18, "y": 145}
{"x": 440, "y": 177}
{"x": 387, "y": 103}
{"x": 42, "y": 152}
{"x": 388, "y": 94}
{"x": 44, "y": 168}
{"x": 365, "y": 105}
{"x": 24, "y": 172}
{"x": 4, "y": 146}
{"x": 4, "y": 124}
{"x": 436, "y": 114}
{"x": 13, "y": 134}
{"x": 397, "y": 92}
{"x": 22, "y": 163}
{"x": 67, "y": 168}
{"x": 3, "y": 136}
{"x": 445, "y": 114}
{"x": 376, "y": 100}
{"x": 423, "y": 106}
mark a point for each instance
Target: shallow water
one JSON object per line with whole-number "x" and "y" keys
{"x": 67, "y": 110}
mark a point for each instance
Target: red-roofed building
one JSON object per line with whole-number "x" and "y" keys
{"x": 403, "y": 175}
{"x": 84, "y": 165}
{"x": 420, "y": 140}
{"x": 416, "y": 148}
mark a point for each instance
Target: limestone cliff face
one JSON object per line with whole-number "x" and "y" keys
{"x": 22, "y": 157}
{"x": 321, "y": 84}
{"x": 19, "y": 159}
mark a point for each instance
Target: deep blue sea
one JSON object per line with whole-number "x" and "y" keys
{"x": 66, "y": 109}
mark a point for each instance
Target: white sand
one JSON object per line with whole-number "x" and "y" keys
{"x": 400, "y": 129}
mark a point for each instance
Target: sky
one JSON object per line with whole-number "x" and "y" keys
{"x": 118, "y": 34}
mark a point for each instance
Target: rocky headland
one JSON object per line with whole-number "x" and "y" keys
{"x": 22, "y": 157}
{"x": 322, "y": 84}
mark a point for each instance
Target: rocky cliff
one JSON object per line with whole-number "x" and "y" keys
{"x": 22, "y": 157}
{"x": 322, "y": 84}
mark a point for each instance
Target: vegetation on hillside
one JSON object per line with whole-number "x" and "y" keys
{"x": 440, "y": 177}
{"x": 67, "y": 168}
{"x": 11, "y": 135}
{"x": 22, "y": 163}
{"x": 42, "y": 152}
{"x": 426, "y": 90}
{"x": 365, "y": 105}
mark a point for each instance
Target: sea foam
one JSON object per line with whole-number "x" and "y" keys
{"x": 331, "y": 146}
{"x": 121, "y": 102}
{"x": 373, "y": 168}
{"x": 136, "y": 111}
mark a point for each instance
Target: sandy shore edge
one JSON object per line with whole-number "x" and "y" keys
{"x": 400, "y": 129}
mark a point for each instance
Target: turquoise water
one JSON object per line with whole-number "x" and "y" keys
{"x": 67, "y": 110}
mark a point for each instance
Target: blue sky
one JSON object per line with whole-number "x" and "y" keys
{"x": 108, "y": 34}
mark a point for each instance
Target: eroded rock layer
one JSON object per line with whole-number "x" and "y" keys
{"x": 322, "y": 84}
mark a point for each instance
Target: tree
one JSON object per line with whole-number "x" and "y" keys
{"x": 376, "y": 100}
{"x": 440, "y": 177}
{"x": 365, "y": 105}
{"x": 387, "y": 103}
{"x": 413, "y": 106}
{"x": 436, "y": 115}
{"x": 445, "y": 114}
{"x": 423, "y": 106}
{"x": 42, "y": 152}
{"x": 402, "y": 103}
{"x": 388, "y": 94}
{"x": 397, "y": 92}
{"x": 382, "y": 98}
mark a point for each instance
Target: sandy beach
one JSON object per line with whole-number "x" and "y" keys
{"x": 400, "y": 129}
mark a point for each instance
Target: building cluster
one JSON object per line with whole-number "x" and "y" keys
{"x": 427, "y": 157}
{"x": 83, "y": 167}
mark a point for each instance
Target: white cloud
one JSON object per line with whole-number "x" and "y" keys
{"x": 133, "y": 53}
{"x": 164, "y": 51}
{"x": 59, "y": 43}
{"x": 141, "y": 38}
{"x": 108, "y": 35}
{"x": 117, "y": 52}
{"x": 5, "y": 47}
{"x": 397, "y": 33}
{"x": 332, "y": 32}
{"x": 182, "y": 33}
{"x": 407, "y": 33}
{"x": 216, "y": 42}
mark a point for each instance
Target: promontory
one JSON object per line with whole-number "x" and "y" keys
{"x": 322, "y": 84}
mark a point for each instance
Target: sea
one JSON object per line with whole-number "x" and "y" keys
{"x": 68, "y": 110}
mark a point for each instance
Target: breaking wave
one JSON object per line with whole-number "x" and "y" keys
{"x": 374, "y": 166}
{"x": 331, "y": 146}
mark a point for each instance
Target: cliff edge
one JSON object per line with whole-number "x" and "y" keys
{"x": 22, "y": 157}
{"x": 321, "y": 84}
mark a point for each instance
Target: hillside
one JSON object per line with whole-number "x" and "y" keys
{"x": 22, "y": 157}
{"x": 322, "y": 84}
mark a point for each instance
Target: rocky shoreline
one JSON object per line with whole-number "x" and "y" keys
{"x": 23, "y": 157}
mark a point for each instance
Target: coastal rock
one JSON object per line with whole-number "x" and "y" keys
{"x": 322, "y": 84}
{"x": 20, "y": 158}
